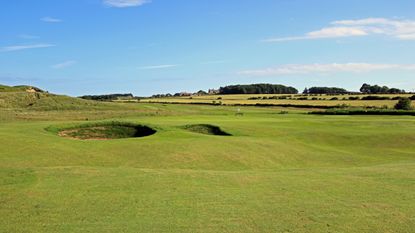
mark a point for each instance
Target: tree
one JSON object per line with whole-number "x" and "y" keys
{"x": 327, "y": 90}
{"x": 404, "y": 104}
{"x": 394, "y": 91}
{"x": 305, "y": 91}
{"x": 201, "y": 92}
{"x": 365, "y": 88}
{"x": 376, "y": 89}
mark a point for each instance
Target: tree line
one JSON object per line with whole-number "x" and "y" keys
{"x": 325, "y": 90}
{"x": 365, "y": 89}
{"x": 257, "y": 89}
{"x": 281, "y": 89}
{"x": 376, "y": 89}
{"x": 109, "y": 97}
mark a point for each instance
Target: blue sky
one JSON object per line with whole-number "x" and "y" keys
{"x": 81, "y": 47}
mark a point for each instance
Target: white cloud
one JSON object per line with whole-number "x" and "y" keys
{"x": 51, "y": 20}
{"x": 399, "y": 29}
{"x": 326, "y": 68}
{"x": 64, "y": 64}
{"x": 24, "y": 47}
{"x": 125, "y": 3}
{"x": 330, "y": 32}
{"x": 407, "y": 37}
{"x": 337, "y": 32}
{"x": 157, "y": 67}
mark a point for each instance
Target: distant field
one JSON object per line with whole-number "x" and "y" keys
{"x": 245, "y": 99}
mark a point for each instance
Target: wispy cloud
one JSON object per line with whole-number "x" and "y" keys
{"x": 27, "y": 37}
{"x": 399, "y": 29}
{"x": 326, "y": 68}
{"x": 24, "y": 47}
{"x": 125, "y": 3}
{"x": 64, "y": 64}
{"x": 51, "y": 20}
{"x": 214, "y": 62}
{"x": 156, "y": 67}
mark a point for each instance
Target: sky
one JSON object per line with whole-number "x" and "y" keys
{"x": 147, "y": 47}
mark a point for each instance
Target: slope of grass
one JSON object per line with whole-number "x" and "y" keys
{"x": 46, "y": 101}
{"x": 22, "y": 88}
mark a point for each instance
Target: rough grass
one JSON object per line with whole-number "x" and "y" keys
{"x": 22, "y": 88}
{"x": 277, "y": 173}
{"x": 46, "y": 102}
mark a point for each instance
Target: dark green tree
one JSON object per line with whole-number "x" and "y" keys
{"x": 257, "y": 89}
{"x": 327, "y": 90}
{"x": 376, "y": 89}
{"x": 404, "y": 104}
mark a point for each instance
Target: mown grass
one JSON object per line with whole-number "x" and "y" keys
{"x": 277, "y": 173}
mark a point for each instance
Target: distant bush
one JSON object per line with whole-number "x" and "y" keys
{"x": 354, "y": 98}
{"x": 334, "y": 98}
{"x": 404, "y": 104}
{"x": 412, "y": 97}
{"x": 374, "y": 97}
{"x": 364, "y": 112}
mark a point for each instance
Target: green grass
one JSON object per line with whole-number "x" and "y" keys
{"x": 276, "y": 173}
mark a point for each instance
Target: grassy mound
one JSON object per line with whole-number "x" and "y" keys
{"x": 106, "y": 131}
{"x": 21, "y": 88}
{"x": 206, "y": 129}
{"x": 45, "y": 102}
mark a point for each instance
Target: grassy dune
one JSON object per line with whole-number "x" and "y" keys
{"x": 276, "y": 173}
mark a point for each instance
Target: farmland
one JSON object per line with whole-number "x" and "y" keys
{"x": 272, "y": 99}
